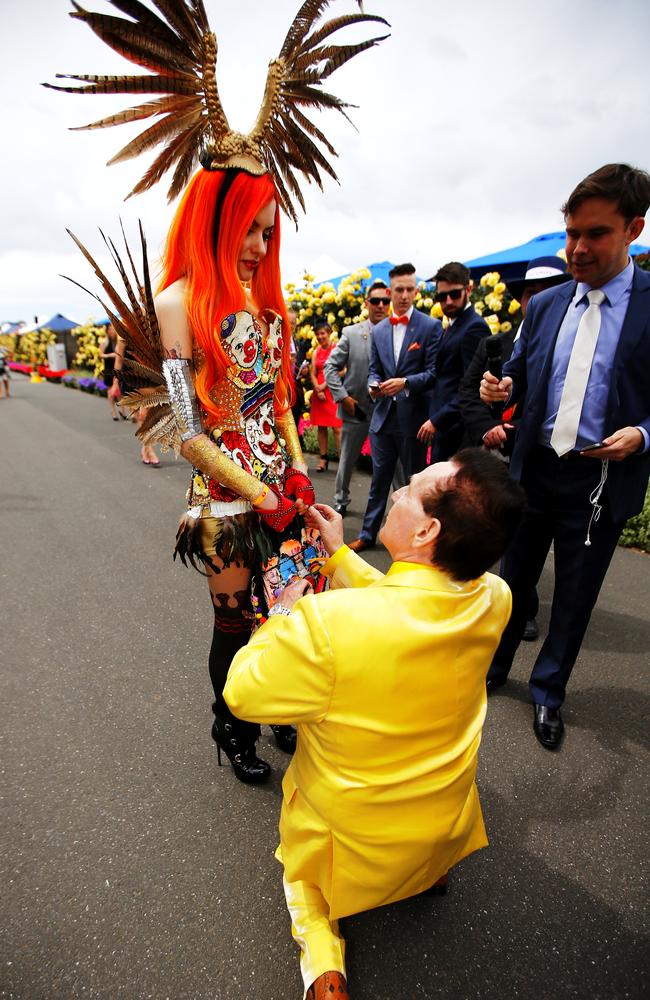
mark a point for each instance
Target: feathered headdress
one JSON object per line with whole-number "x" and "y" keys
{"x": 180, "y": 52}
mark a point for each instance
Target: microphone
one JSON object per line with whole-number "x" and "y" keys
{"x": 494, "y": 360}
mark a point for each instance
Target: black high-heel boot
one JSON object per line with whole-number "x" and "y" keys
{"x": 286, "y": 738}
{"x": 244, "y": 761}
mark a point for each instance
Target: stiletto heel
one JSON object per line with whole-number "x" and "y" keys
{"x": 285, "y": 738}
{"x": 245, "y": 763}
{"x": 324, "y": 464}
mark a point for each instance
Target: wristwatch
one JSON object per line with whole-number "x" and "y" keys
{"x": 279, "y": 609}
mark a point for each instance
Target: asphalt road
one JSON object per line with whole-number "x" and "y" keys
{"x": 134, "y": 867}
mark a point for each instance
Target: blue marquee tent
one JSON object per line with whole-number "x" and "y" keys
{"x": 511, "y": 263}
{"x": 378, "y": 272}
{"x": 58, "y": 324}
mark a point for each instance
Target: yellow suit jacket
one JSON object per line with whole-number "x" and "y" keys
{"x": 386, "y": 683}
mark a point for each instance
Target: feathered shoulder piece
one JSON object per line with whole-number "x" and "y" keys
{"x": 134, "y": 320}
{"x": 179, "y": 51}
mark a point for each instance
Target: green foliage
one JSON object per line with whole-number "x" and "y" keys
{"x": 636, "y": 533}
{"x": 643, "y": 261}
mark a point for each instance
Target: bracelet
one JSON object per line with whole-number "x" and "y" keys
{"x": 261, "y": 497}
{"x": 279, "y": 609}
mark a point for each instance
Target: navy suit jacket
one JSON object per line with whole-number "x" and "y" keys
{"x": 457, "y": 348}
{"x": 628, "y": 402}
{"x": 416, "y": 362}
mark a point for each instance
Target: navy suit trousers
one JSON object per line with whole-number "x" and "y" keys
{"x": 387, "y": 446}
{"x": 559, "y": 511}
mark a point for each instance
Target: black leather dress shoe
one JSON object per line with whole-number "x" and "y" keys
{"x": 341, "y": 509}
{"x": 531, "y": 632}
{"x": 548, "y": 726}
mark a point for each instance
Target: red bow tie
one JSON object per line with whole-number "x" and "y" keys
{"x": 394, "y": 320}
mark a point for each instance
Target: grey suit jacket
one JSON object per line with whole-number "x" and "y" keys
{"x": 352, "y": 353}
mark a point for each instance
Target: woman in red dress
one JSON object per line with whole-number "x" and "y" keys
{"x": 323, "y": 407}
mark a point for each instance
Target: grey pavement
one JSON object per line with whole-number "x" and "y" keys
{"x": 134, "y": 867}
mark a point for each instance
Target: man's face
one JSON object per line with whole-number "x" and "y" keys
{"x": 532, "y": 289}
{"x": 407, "y": 514}
{"x": 377, "y": 304}
{"x": 598, "y": 240}
{"x": 452, "y": 297}
{"x": 293, "y": 319}
{"x": 402, "y": 293}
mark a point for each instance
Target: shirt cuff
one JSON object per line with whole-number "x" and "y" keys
{"x": 646, "y": 440}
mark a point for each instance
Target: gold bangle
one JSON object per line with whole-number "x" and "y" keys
{"x": 262, "y": 496}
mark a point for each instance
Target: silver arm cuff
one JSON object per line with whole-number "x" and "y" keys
{"x": 182, "y": 395}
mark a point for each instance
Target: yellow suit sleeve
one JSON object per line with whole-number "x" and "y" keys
{"x": 286, "y": 672}
{"x": 346, "y": 569}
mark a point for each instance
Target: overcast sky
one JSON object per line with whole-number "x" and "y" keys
{"x": 475, "y": 122}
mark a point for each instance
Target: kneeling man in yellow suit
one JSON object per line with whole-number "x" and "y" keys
{"x": 384, "y": 677}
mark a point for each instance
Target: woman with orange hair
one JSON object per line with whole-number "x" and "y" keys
{"x": 222, "y": 322}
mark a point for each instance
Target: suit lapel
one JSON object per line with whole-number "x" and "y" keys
{"x": 384, "y": 342}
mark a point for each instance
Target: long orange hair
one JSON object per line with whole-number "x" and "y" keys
{"x": 213, "y": 288}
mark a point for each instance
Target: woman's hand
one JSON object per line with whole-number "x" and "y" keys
{"x": 298, "y": 486}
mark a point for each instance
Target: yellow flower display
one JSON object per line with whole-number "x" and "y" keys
{"x": 492, "y": 297}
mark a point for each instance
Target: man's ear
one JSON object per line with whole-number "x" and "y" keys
{"x": 427, "y": 534}
{"x": 635, "y": 228}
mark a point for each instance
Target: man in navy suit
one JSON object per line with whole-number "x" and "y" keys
{"x": 444, "y": 427}
{"x": 582, "y": 454}
{"x": 402, "y": 369}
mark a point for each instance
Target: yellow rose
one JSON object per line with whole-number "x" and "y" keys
{"x": 427, "y": 303}
{"x": 496, "y": 304}
{"x": 479, "y": 306}
{"x": 331, "y": 318}
{"x": 505, "y": 327}
{"x": 341, "y": 312}
{"x": 437, "y": 311}
{"x": 493, "y": 278}
{"x": 493, "y": 322}
{"x": 499, "y": 288}
{"x": 309, "y": 312}
{"x": 514, "y": 307}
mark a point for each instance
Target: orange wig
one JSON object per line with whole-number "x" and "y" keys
{"x": 213, "y": 289}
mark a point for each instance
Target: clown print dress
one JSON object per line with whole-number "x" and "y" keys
{"x": 244, "y": 425}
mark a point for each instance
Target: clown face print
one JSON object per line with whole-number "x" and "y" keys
{"x": 260, "y": 435}
{"x": 241, "y": 337}
{"x": 275, "y": 341}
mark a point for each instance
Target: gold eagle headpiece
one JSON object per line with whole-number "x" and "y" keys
{"x": 180, "y": 52}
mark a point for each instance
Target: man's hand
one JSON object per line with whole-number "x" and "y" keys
{"x": 293, "y": 592}
{"x": 348, "y": 405}
{"x": 426, "y": 432}
{"x": 329, "y": 524}
{"x": 618, "y": 445}
{"x": 391, "y": 386}
{"x": 497, "y": 436}
{"x": 493, "y": 391}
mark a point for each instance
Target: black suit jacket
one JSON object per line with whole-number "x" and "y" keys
{"x": 476, "y": 416}
{"x": 455, "y": 352}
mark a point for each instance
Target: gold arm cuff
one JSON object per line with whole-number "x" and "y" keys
{"x": 287, "y": 428}
{"x": 207, "y": 457}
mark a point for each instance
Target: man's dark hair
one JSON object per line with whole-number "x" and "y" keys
{"x": 401, "y": 269}
{"x": 454, "y": 273}
{"x": 376, "y": 285}
{"x": 479, "y": 511}
{"x": 628, "y": 187}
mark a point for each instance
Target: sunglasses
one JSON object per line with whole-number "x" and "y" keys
{"x": 454, "y": 295}
{"x": 379, "y": 302}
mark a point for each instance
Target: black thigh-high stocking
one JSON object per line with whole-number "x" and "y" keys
{"x": 229, "y": 590}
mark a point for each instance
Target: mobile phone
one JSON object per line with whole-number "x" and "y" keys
{"x": 373, "y": 385}
{"x": 591, "y": 447}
